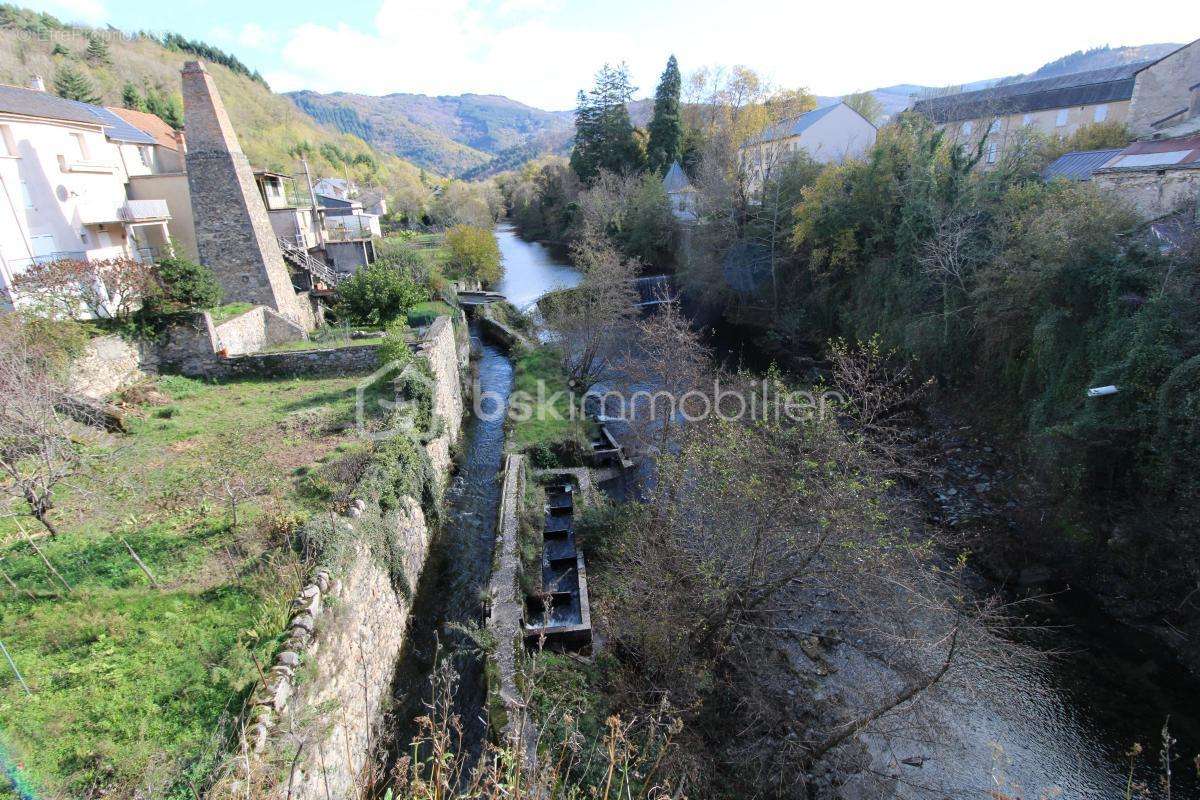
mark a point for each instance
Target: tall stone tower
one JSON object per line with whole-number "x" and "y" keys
{"x": 233, "y": 232}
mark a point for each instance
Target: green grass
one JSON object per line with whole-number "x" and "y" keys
{"x": 131, "y": 684}
{"x": 425, "y": 313}
{"x": 229, "y": 311}
{"x": 549, "y": 426}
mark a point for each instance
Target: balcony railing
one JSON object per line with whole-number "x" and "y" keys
{"x": 19, "y": 265}
{"x": 127, "y": 211}
{"x": 347, "y": 228}
{"x": 143, "y": 210}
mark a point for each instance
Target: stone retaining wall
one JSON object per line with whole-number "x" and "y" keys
{"x": 505, "y": 611}
{"x": 255, "y": 330}
{"x": 294, "y": 363}
{"x": 108, "y": 364}
{"x": 347, "y": 629}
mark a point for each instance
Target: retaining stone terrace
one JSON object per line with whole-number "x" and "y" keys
{"x": 349, "y": 627}
{"x": 299, "y": 363}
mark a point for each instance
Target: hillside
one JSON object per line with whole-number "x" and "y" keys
{"x": 454, "y": 135}
{"x": 271, "y": 129}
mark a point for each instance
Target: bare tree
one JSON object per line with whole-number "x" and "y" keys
{"x": 37, "y": 451}
{"x": 588, "y": 321}
{"x": 664, "y": 372}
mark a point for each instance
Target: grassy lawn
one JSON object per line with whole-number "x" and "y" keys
{"x": 425, "y": 313}
{"x": 133, "y": 686}
{"x": 229, "y": 311}
{"x": 548, "y": 427}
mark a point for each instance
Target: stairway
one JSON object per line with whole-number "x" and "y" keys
{"x": 299, "y": 258}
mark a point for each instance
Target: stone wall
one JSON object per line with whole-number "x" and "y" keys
{"x": 258, "y": 328}
{"x": 108, "y": 364}
{"x": 330, "y": 685}
{"x": 505, "y": 606}
{"x": 354, "y": 646}
{"x": 440, "y": 348}
{"x": 1163, "y": 89}
{"x": 1153, "y": 193}
{"x": 189, "y": 345}
{"x": 297, "y": 363}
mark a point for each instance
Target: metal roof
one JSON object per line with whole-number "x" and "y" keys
{"x": 800, "y": 124}
{"x": 1182, "y": 152}
{"x": 676, "y": 180}
{"x": 1062, "y": 91}
{"x": 36, "y": 103}
{"x": 1080, "y": 165}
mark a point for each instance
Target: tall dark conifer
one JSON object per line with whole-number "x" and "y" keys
{"x": 604, "y": 135}
{"x": 666, "y": 128}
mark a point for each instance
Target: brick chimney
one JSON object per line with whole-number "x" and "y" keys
{"x": 180, "y": 143}
{"x": 37, "y": 84}
{"x": 1194, "y": 108}
{"x": 233, "y": 231}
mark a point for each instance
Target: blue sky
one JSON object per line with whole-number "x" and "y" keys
{"x": 542, "y": 51}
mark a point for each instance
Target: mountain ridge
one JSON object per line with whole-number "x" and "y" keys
{"x": 474, "y": 135}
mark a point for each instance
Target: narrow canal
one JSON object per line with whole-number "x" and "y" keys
{"x": 449, "y": 596}
{"x": 1060, "y": 728}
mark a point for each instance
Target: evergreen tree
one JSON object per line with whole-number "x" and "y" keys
{"x": 167, "y": 108}
{"x": 97, "y": 50}
{"x": 130, "y": 98}
{"x": 604, "y": 135}
{"x": 74, "y": 85}
{"x": 666, "y": 129}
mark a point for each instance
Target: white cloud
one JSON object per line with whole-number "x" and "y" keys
{"x": 543, "y": 51}
{"x": 254, "y": 35}
{"x": 90, "y": 11}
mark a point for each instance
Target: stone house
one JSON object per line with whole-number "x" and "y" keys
{"x": 65, "y": 170}
{"x": 1057, "y": 106}
{"x": 1165, "y": 91}
{"x": 828, "y": 135}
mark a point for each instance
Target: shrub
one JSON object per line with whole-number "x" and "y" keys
{"x": 378, "y": 294}
{"x": 181, "y": 285}
{"x": 474, "y": 254}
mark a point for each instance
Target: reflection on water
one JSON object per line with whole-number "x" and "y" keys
{"x": 1058, "y": 728}
{"x": 530, "y": 270}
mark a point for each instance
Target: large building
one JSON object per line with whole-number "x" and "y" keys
{"x": 65, "y": 168}
{"x": 1057, "y": 106}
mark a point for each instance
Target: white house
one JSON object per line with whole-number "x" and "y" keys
{"x": 827, "y": 135}
{"x": 64, "y": 169}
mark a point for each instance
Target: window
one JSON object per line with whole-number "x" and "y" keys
{"x": 8, "y": 147}
{"x": 995, "y": 128}
{"x": 1027, "y": 119}
{"x": 1100, "y": 114}
{"x": 1061, "y": 120}
{"x": 991, "y": 153}
{"x": 967, "y": 127}
{"x": 145, "y": 155}
{"x": 26, "y": 197}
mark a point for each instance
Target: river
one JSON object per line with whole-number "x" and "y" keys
{"x": 1065, "y": 729}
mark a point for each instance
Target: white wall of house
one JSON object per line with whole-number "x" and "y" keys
{"x": 62, "y": 192}
{"x": 841, "y": 134}
{"x": 66, "y": 192}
